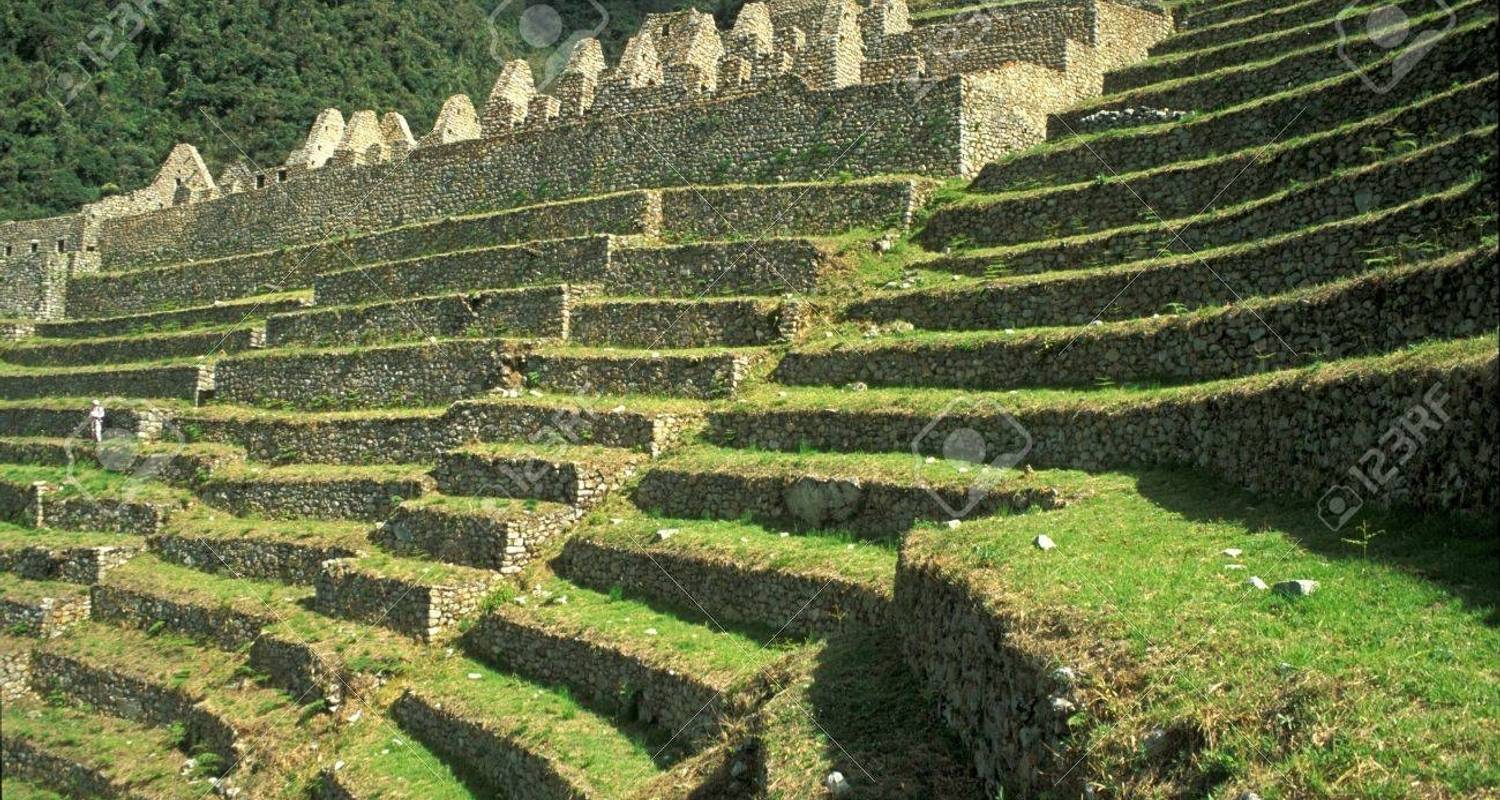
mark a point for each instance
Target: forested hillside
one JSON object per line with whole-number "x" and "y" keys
{"x": 244, "y": 77}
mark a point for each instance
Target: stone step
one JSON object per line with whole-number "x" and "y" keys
{"x": 421, "y": 599}
{"x": 233, "y": 728}
{"x": 792, "y": 209}
{"x": 236, "y": 312}
{"x": 1329, "y": 57}
{"x": 727, "y": 322}
{"x": 1191, "y": 188}
{"x": 189, "y": 381}
{"x": 153, "y": 595}
{"x": 1451, "y": 220}
{"x": 1384, "y": 184}
{"x": 737, "y": 573}
{"x": 622, "y": 266}
{"x": 540, "y": 312}
{"x": 169, "y": 461}
{"x": 367, "y": 494}
{"x": 683, "y": 679}
{"x": 646, "y": 425}
{"x": 288, "y": 551}
{"x": 1230, "y": 21}
{"x": 876, "y": 497}
{"x": 520, "y": 739}
{"x": 83, "y": 499}
{"x": 1219, "y": 428}
{"x": 411, "y": 375}
{"x": 1451, "y": 297}
{"x": 40, "y": 608}
{"x": 1283, "y": 116}
{"x": 695, "y": 374}
{"x": 484, "y": 532}
{"x": 413, "y": 435}
{"x": 62, "y": 418}
{"x": 80, "y": 754}
{"x": 84, "y": 558}
{"x": 372, "y": 757}
{"x": 575, "y": 475}
{"x": 1281, "y": 33}
{"x": 136, "y": 348}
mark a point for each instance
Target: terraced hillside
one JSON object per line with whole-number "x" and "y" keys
{"x": 1074, "y": 399}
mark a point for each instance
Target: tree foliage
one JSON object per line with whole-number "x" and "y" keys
{"x": 241, "y": 78}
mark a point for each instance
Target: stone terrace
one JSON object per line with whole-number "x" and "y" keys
{"x": 501, "y": 472}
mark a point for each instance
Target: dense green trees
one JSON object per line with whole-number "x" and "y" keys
{"x": 242, "y": 76}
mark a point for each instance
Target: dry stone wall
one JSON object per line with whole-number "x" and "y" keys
{"x": 86, "y": 565}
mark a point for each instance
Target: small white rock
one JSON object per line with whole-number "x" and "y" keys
{"x": 1232, "y": 552}
{"x": 836, "y": 784}
{"x": 1296, "y": 588}
{"x": 953, "y": 524}
{"x": 1256, "y": 583}
{"x": 1044, "y": 542}
{"x": 664, "y": 534}
{"x": 651, "y": 632}
{"x": 474, "y": 676}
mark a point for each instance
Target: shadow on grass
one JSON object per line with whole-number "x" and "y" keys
{"x": 1456, "y": 552}
{"x": 880, "y": 729}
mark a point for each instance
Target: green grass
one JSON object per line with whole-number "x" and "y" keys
{"x": 668, "y": 640}
{"x": 154, "y": 576}
{"x": 745, "y": 545}
{"x": 98, "y": 483}
{"x": 1380, "y": 685}
{"x": 16, "y": 536}
{"x": 33, "y": 592}
{"x": 144, "y": 759}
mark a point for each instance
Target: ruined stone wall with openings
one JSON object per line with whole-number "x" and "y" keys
{"x": 789, "y": 86}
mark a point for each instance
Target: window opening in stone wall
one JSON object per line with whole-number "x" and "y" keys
{"x": 260, "y": 181}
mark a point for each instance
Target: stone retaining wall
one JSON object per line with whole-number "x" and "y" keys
{"x": 305, "y": 671}
{"x": 130, "y": 697}
{"x": 688, "y": 323}
{"x": 39, "y": 506}
{"x": 580, "y": 259}
{"x": 607, "y": 679}
{"x": 1450, "y": 299}
{"x": 1289, "y": 435}
{"x": 698, "y": 376}
{"x": 507, "y": 766}
{"x": 311, "y": 439}
{"x": 995, "y": 692}
{"x": 183, "y": 382}
{"x": 870, "y": 128}
{"x": 61, "y": 423}
{"x": 1194, "y": 187}
{"x": 44, "y": 617}
{"x": 539, "y": 312}
{"x": 739, "y": 212}
{"x": 1465, "y": 56}
{"x": 224, "y": 626}
{"x": 353, "y": 497}
{"x": 143, "y": 348}
{"x": 25, "y": 760}
{"x": 503, "y": 539}
{"x": 1452, "y": 221}
{"x": 422, "y": 611}
{"x": 583, "y": 481}
{"x": 84, "y": 565}
{"x": 226, "y": 314}
{"x": 760, "y": 267}
{"x": 247, "y": 557}
{"x": 498, "y": 421}
{"x": 864, "y": 507}
{"x": 798, "y": 605}
{"x": 15, "y": 673}
{"x": 410, "y": 375}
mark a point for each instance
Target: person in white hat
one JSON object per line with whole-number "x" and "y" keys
{"x": 96, "y": 417}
